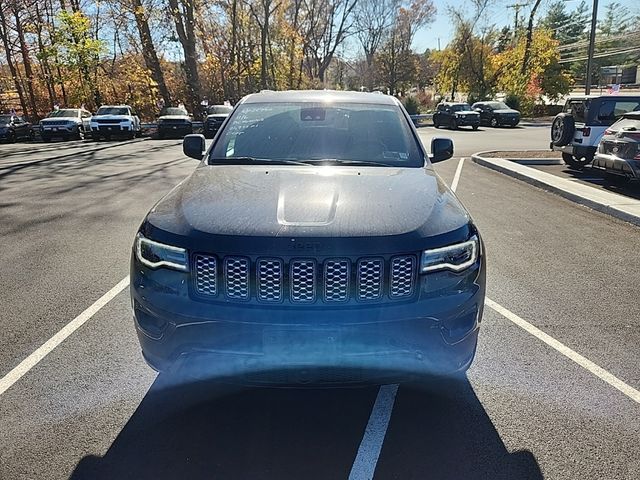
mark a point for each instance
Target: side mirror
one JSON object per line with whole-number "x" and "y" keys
{"x": 193, "y": 146}
{"x": 441, "y": 149}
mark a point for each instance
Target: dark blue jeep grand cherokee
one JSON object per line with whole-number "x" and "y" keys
{"x": 313, "y": 244}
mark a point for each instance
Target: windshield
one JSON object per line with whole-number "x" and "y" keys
{"x": 173, "y": 111}
{"x": 219, "y": 109}
{"x": 113, "y": 111}
{"x": 319, "y": 132}
{"x": 4, "y": 119}
{"x": 63, "y": 113}
{"x": 460, "y": 107}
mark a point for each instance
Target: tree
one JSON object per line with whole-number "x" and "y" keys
{"x": 183, "y": 13}
{"x": 327, "y": 25}
{"x": 149, "y": 53}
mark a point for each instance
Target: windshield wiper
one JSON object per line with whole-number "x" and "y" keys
{"x": 253, "y": 161}
{"x": 344, "y": 161}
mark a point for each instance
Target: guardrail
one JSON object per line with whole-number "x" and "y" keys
{"x": 422, "y": 119}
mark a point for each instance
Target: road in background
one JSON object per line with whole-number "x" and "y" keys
{"x": 93, "y": 410}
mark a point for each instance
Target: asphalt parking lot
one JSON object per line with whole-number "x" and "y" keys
{"x": 528, "y": 409}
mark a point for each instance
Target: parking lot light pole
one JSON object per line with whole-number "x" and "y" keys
{"x": 592, "y": 40}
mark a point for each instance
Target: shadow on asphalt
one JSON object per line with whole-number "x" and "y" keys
{"x": 205, "y": 430}
{"x": 594, "y": 178}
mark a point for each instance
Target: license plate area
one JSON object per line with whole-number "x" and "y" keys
{"x": 300, "y": 341}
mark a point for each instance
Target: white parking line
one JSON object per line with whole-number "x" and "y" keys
{"x": 456, "y": 177}
{"x": 46, "y": 348}
{"x": 585, "y": 363}
{"x": 369, "y": 451}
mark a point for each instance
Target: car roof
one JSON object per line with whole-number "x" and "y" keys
{"x": 267, "y": 96}
{"x": 634, "y": 115}
{"x": 111, "y": 106}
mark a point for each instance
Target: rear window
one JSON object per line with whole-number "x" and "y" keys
{"x": 320, "y": 132}
{"x": 577, "y": 108}
{"x": 611, "y": 110}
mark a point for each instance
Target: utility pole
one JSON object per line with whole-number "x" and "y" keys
{"x": 592, "y": 40}
{"x": 517, "y": 7}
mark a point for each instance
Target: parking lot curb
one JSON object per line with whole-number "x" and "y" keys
{"x": 618, "y": 206}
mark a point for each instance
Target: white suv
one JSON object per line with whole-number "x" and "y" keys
{"x": 577, "y": 131}
{"x": 115, "y": 120}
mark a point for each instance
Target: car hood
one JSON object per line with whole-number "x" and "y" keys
{"x": 111, "y": 117}
{"x": 220, "y": 116}
{"x": 507, "y": 110}
{"x": 174, "y": 117}
{"x": 467, "y": 112}
{"x": 58, "y": 119}
{"x": 225, "y": 208}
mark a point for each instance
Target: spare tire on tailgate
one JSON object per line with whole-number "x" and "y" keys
{"x": 562, "y": 129}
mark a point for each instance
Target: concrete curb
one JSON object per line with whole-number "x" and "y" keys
{"x": 618, "y": 206}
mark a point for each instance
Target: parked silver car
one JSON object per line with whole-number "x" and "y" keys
{"x": 618, "y": 155}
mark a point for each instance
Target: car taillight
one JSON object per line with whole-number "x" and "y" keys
{"x": 586, "y": 131}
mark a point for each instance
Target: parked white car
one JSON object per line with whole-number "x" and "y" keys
{"x": 65, "y": 123}
{"x": 115, "y": 120}
{"x": 577, "y": 131}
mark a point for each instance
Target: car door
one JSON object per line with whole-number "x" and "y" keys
{"x": 486, "y": 114}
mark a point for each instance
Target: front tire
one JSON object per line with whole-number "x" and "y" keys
{"x": 475, "y": 127}
{"x": 453, "y": 125}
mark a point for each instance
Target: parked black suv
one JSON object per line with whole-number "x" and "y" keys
{"x": 174, "y": 122}
{"x": 497, "y": 114}
{"x": 315, "y": 244}
{"x": 216, "y": 115}
{"x": 454, "y": 115}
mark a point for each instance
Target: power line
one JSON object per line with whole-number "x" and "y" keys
{"x": 602, "y": 55}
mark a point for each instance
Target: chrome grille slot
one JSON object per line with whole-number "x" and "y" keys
{"x": 370, "y": 271}
{"x": 236, "y": 277}
{"x": 336, "y": 280}
{"x": 302, "y": 278}
{"x": 270, "y": 280}
{"x": 206, "y": 274}
{"x": 401, "y": 282}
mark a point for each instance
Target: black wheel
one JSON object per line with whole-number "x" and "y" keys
{"x": 453, "y": 124}
{"x": 80, "y": 134}
{"x": 494, "y": 122}
{"x": 160, "y": 135}
{"x": 45, "y": 138}
{"x": 575, "y": 162}
{"x": 95, "y": 137}
{"x": 475, "y": 127}
{"x": 32, "y": 135}
{"x": 131, "y": 136}
{"x": 138, "y": 134}
{"x": 209, "y": 135}
{"x": 11, "y": 137}
{"x": 562, "y": 129}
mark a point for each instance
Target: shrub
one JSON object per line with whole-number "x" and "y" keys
{"x": 411, "y": 105}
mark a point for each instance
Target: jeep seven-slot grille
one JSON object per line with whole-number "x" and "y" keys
{"x": 304, "y": 281}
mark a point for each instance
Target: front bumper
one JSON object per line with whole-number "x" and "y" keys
{"x": 175, "y": 129}
{"x": 59, "y": 130}
{"x": 111, "y": 129}
{"x": 512, "y": 121}
{"x": 468, "y": 121}
{"x": 435, "y": 333}
{"x": 578, "y": 151}
{"x": 618, "y": 166}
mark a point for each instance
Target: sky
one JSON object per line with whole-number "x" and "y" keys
{"x": 498, "y": 15}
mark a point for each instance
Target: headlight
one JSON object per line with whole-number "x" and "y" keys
{"x": 453, "y": 257}
{"x": 154, "y": 254}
